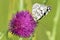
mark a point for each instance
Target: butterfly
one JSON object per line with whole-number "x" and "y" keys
{"x": 40, "y": 10}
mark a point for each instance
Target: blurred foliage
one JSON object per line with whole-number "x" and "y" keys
{"x": 48, "y": 27}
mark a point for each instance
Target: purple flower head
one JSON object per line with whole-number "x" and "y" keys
{"x": 22, "y": 24}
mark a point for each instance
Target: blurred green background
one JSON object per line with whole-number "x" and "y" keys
{"x": 48, "y": 27}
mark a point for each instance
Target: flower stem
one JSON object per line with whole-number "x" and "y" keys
{"x": 45, "y": 1}
{"x": 21, "y": 5}
{"x": 56, "y": 21}
{"x": 20, "y": 38}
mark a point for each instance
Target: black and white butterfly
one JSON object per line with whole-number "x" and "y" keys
{"x": 38, "y": 11}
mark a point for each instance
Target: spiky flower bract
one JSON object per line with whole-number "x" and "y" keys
{"x": 22, "y": 24}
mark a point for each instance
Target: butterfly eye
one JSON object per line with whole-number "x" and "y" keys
{"x": 48, "y": 8}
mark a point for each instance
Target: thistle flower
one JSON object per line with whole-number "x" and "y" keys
{"x": 22, "y": 24}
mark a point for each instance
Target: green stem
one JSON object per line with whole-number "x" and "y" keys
{"x": 1, "y": 35}
{"x": 6, "y": 34}
{"x": 45, "y": 1}
{"x": 20, "y": 38}
{"x": 56, "y": 21}
{"x": 21, "y": 5}
{"x": 30, "y": 38}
